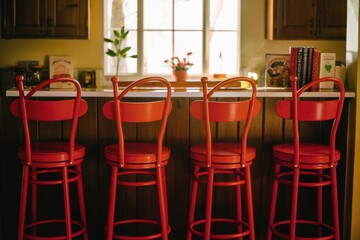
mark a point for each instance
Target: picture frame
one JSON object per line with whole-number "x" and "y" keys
{"x": 277, "y": 70}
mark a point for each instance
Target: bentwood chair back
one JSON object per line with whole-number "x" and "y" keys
{"x": 50, "y": 163}
{"x": 217, "y": 158}
{"x": 307, "y": 165}
{"x": 138, "y": 158}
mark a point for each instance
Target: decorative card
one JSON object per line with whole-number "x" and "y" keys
{"x": 327, "y": 68}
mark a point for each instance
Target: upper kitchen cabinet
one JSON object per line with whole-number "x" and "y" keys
{"x": 306, "y": 19}
{"x": 45, "y": 19}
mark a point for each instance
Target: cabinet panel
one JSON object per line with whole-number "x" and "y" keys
{"x": 295, "y": 19}
{"x": 22, "y": 17}
{"x": 45, "y": 19}
{"x": 67, "y": 18}
{"x": 331, "y": 21}
{"x": 306, "y": 19}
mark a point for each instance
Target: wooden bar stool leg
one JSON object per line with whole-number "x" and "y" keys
{"x": 294, "y": 203}
{"x": 22, "y": 210}
{"x": 162, "y": 200}
{"x": 209, "y": 199}
{"x": 33, "y": 200}
{"x": 111, "y": 203}
{"x": 238, "y": 201}
{"x": 67, "y": 203}
{"x": 165, "y": 192}
{"x": 82, "y": 201}
{"x": 335, "y": 203}
{"x": 193, "y": 195}
{"x": 319, "y": 202}
{"x": 249, "y": 202}
{"x": 273, "y": 202}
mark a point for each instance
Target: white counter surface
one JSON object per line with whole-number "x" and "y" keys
{"x": 183, "y": 92}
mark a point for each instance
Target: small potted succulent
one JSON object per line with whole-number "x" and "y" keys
{"x": 118, "y": 50}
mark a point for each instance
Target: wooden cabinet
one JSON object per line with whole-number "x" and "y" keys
{"x": 306, "y": 19}
{"x": 45, "y": 19}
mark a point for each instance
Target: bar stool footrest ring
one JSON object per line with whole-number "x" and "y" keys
{"x": 30, "y": 226}
{"x": 274, "y": 229}
{"x": 141, "y": 221}
{"x": 246, "y": 232}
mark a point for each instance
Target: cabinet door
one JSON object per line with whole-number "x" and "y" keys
{"x": 295, "y": 19}
{"x": 67, "y": 18}
{"x": 45, "y": 19}
{"x": 306, "y": 19}
{"x": 332, "y": 19}
{"x": 24, "y": 18}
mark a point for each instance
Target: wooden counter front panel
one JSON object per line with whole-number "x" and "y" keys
{"x": 96, "y": 132}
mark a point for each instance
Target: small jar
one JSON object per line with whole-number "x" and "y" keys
{"x": 19, "y": 70}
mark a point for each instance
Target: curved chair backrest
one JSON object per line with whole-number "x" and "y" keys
{"x": 299, "y": 109}
{"x": 217, "y": 111}
{"x": 138, "y": 112}
{"x": 28, "y": 107}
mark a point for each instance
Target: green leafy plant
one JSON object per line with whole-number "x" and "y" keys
{"x": 118, "y": 51}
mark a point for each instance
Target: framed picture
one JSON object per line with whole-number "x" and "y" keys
{"x": 277, "y": 70}
{"x": 61, "y": 66}
{"x": 87, "y": 78}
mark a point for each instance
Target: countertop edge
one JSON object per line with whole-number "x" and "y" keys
{"x": 183, "y": 92}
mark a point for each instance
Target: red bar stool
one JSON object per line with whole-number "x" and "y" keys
{"x": 138, "y": 159}
{"x": 50, "y": 163}
{"x": 223, "y": 159}
{"x": 307, "y": 165}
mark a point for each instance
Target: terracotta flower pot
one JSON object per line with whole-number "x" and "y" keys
{"x": 180, "y": 75}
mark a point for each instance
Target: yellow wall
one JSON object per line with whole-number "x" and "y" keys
{"x": 355, "y": 218}
{"x": 89, "y": 53}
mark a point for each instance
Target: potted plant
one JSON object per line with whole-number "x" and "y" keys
{"x": 180, "y": 67}
{"x": 118, "y": 50}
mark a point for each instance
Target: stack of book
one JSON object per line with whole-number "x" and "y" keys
{"x": 309, "y": 63}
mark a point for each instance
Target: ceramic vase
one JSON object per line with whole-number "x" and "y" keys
{"x": 180, "y": 75}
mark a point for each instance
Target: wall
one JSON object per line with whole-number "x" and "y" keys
{"x": 352, "y": 55}
{"x": 89, "y": 53}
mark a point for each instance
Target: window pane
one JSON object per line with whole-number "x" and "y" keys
{"x": 157, "y": 48}
{"x": 157, "y": 14}
{"x": 226, "y": 44}
{"x": 118, "y": 14}
{"x": 188, "y": 15}
{"x": 121, "y": 13}
{"x": 127, "y": 65}
{"x": 190, "y": 42}
{"x": 224, "y": 14}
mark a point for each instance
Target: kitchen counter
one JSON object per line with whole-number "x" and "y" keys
{"x": 184, "y": 92}
{"x": 95, "y": 132}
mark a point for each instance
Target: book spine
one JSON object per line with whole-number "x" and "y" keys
{"x": 293, "y": 60}
{"x": 309, "y": 65}
{"x": 299, "y": 66}
{"x": 315, "y": 70}
{"x": 304, "y": 66}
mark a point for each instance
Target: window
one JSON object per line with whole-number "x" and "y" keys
{"x": 161, "y": 29}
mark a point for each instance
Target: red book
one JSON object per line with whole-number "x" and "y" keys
{"x": 315, "y": 67}
{"x": 293, "y": 60}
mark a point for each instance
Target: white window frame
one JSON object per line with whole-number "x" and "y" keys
{"x": 206, "y": 31}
